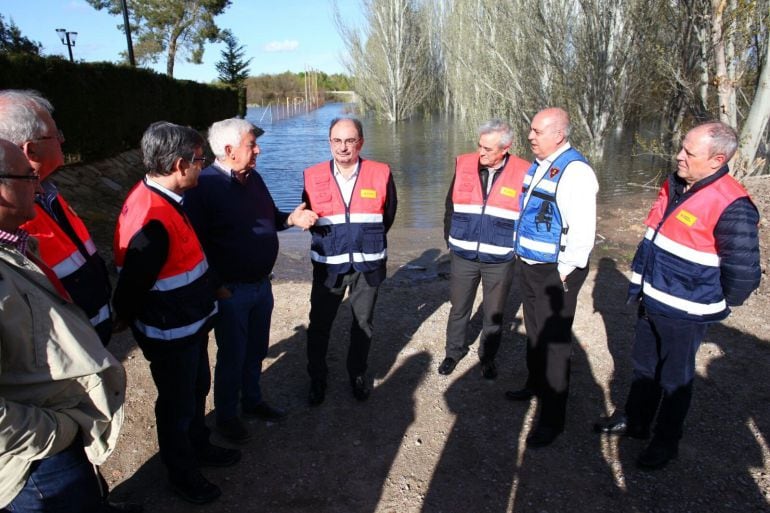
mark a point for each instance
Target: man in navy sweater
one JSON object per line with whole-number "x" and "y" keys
{"x": 237, "y": 223}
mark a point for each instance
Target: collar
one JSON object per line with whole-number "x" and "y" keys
{"x": 496, "y": 169}
{"x": 17, "y": 239}
{"x": 155, "y": 185}
{"x": 338, "y": 173}
{"x": 228, "y": 171}
{"x": 553, "y": 156}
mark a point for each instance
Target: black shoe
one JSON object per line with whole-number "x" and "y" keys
{"x": 215, "y": 456}
{"x": 195, "y": 488}
{"x": 360, "y": 388}
{"x": 657, "y": 455}
{"x": 233, "y": 430}
{"x": 264, "y": 412}
{"x": 121, "y": 507}
{"x": 617, "y": 424}
{"x": 317, "y": 392}
{"x": 447, "y": 366}
{"x": 524, "y": 394}
{"x": 489, "y": 370}
{"x": 542, "y": 436}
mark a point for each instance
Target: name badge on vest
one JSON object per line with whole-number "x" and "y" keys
{"x": 507, "y": 191}
{"x": 369, "y": 193}
{"x": 686, "y": 217}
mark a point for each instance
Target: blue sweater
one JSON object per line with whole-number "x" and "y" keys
{"x": 236, "y": 223}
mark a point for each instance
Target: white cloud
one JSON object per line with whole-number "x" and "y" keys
{"x": 281, "y": 46}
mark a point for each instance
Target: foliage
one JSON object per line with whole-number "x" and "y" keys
{"x": 233, "y": 70}
{"x": 104, "y": 108}
{"x": 264, "y": 89}
{"x": 11, "y": 40}
{"x": 170, "y": 27}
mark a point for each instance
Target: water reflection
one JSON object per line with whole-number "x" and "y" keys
{"x": 421, "y": 155}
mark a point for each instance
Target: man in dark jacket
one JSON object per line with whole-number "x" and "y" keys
{"x": 699, "y": 256}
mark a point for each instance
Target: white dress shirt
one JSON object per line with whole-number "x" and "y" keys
{"x": 576, "y": 201}
{"x": 346, "y": 184}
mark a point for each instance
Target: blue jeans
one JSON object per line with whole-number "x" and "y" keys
{"x": 63, "y": 483}
{"x": 242, "y": 331}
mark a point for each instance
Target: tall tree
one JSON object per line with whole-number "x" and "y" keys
{"x": 389, "y": 59}
{"x": 169, "y": 27}
{"x": 11, "y": 40}
{"x": 233, "y": 70}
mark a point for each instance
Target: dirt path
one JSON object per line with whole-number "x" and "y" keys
{"x": 430, "y": 443}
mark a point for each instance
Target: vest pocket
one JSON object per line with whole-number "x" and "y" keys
{"x": 373, "y": 240}
{"x": 502, "y": 232}
{"x": 459, "y": 226}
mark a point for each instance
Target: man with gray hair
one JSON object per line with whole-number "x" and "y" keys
{"x": 63, "y": 241}
{"x": 482, "y": 208}
{"x": 166, "y": 293}
{"x": 237, "y": 222}
{"x": 61, "y": 392}
{"x": 700, "y": 256}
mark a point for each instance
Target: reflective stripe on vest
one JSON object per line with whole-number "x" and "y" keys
{"x": 174, "y": 333}
{"x": 104, "y": 313}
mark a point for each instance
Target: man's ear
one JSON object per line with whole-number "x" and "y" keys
{"x": 720, "y": 160}
{"x": 229, "y": 151}
{"x": 181, "y": 165}
{"x": 29, "y": 151}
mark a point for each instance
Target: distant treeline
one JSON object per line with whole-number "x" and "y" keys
{"x": 263, "y": 89}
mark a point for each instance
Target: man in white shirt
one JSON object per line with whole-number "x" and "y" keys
{"x": 554, "y": 239}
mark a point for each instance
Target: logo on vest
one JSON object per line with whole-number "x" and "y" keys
{"x": 686, "y": 217}
{"x": 369, "y": 193}
{"x": 507, "y": 191}
{"x": 554, "y": 171}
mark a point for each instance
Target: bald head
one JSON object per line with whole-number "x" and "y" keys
{"x": 549, "y": 131}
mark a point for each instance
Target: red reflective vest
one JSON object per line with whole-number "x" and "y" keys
{"x": 676, "y": 268}
{"x": 181, "y": 301}
{"x": 485, "y": 230}
{"x": 352, "y": 235}
{"x": 82, "y": 273}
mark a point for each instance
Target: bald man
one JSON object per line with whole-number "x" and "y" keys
{"x": 555, "y": 236}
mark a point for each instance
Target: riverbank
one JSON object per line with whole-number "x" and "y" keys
{"x": 430, "y": 443}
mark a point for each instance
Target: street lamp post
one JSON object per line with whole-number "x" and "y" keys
{"x": 67, "y": 38}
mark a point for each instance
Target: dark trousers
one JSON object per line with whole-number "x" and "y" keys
{"x": 663, "y": 359}
{"x": 182, "y": 376}
{"x": 496, "y": 282}
{"x": 324, "y": 303}
{"x": 65, "y": 482}
{"x": 548, "y": 314}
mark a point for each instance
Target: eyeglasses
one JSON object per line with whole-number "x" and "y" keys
{"x": 59, "y": 136}
{"x": 20, "y": 177}
{"x": 346, "y": 142}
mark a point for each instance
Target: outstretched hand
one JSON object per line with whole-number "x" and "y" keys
{"x": 302, "y": 217}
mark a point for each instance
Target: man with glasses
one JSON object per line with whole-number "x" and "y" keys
{"x": 237, "y": 222}
{"x": 166, "y": 292}
{"x": 482, "y": 207}
{"x": 61, "y": 392}
{"x": 355, "y": 200}
{"x": 63, "y": 240}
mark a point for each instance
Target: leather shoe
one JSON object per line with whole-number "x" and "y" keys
{"x": 617, "y": 424}
{"x": 447, "y": 366}
{"x": 360, "y": 388}
{"x": 264, "y": 411}
{"x": 523, "y": 394}
{"x": 193, "y": 487}
{"x": 489, "y": 370}
{"x": 215, "y": 456}
{"x": 657, "y": 455}
{"x": 317, "y": 392}
{"x": 233, "y": 430}
{"x": 542, "y": 436}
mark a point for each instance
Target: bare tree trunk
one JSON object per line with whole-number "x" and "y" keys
{"x": 744, "y": 161}
{"x": 722, "y": 41}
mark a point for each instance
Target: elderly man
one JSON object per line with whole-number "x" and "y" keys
{"x": 482, "y": 207}
{"x": 63, "y": 241}
{"x": 237, "y": 223}
{"x": 61, "y": 392}
{"x": 555, "y": 236}
{"x": 700, "y": 256}
{"x": 355, "y": 200}
{"x": 166, "y": 292}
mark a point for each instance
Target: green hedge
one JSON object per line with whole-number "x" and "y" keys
{"x": 103, "y": 108}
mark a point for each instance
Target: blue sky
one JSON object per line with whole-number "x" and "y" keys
{"x": 279, "y": 35}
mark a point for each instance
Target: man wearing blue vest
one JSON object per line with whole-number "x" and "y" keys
{"x": 482, "y": 207}
{"x": 355, "y": 200}
{"x": 555, "y": 236}
{"x": 699, "y": 256}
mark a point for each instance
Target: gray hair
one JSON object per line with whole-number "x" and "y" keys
{"x": 724, "y": 139}
{"x": 20, "y": 118}
{"x": 163, "y": 143}
{"x": 229, "y": 132}
{"x": 356, "y": 123}
{"x": 498, "y": 126}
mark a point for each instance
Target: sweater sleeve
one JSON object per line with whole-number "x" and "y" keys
{"x": 737, "y": 238}
{"x": 449, "y": 209}
{"x": 391, "y": 204}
